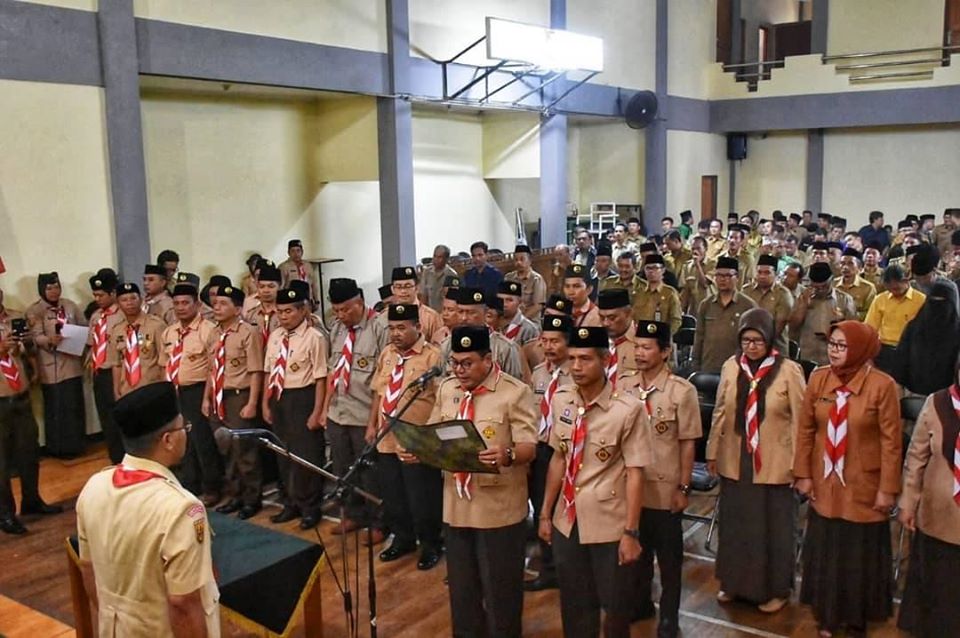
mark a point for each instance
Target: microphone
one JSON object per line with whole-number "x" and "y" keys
{"x": 259, "y": 433}
{"x": 435, "y": 371}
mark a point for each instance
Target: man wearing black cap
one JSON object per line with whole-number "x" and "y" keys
{"x": 736, "y": 249}
{"x": 472, "y": 305}
{"x": 672, "y": 412}
{"x": 594, "y": 492}
{"x": 144, "y": 540}
{"x": 156, "y": 298}
{"x": 215, "y": 283}
{"x": 485, "y": 514}
{"x": 875, "y": 232}
{"x": 449, "y": 312}
{"x": 412, "y": 492}
{"x": 433, "y": 277}
{"x": 602, "y": 265}
{"x": 135, "y": 343}
{"x": 518, "y": 328}
{"x": 718, "y": 319}
{"x": 262, "y": 313}
{"x": 577, "y": 288}
{"x": 403, "y": 284}
{"x": 356, "y": 341}
{"x": 103, "y": 320}
{"x": 850, "y": 282}
{"x": 635, "y": 231}
{"x": 774, "y": 298}
{"x": 192, "y": 279}
{"x": 187, "y": 367}
{"x": 61, "y": 374}
{"x": 817, "y": 307}
{"x": 927, "y": 222}
{"x": 653, "y": 299}
{"x": 615, "y": 314}
{"x": 232, "y": 397}
{"x": 796, "y": 228}
{"x": 295, "y": 268}
{"x": 823, "y": 221}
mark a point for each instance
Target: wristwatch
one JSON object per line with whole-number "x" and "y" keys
{"x": 684, "y": 489}
{"x": 511, "y": 457}
{"x": 634, "y": 533}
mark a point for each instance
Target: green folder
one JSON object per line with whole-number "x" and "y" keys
{"x": 453, "y": 446}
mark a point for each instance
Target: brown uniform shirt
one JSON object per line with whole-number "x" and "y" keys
{"x": 862, "y": 291}
{"x": 533, "y": 293}
{"x": 783, "y": 403}
{"x": 587, "y": 316}
{"x": 616, "y": 439}
{"x": 194, "y": 364}
{"x": 6, "y": 317}
{"x": 150, "y": 335}
{"x": 674, "y": 417}
{"x": 540, "y": 380}
{"x": 256, "y": 317}
{"x": 874, "y": 442}
{"x": 115, "y": 318}
{"x": 748, "y": 265}
{"x": 431, "y": 284}
{"x": 54, "y": 366}
{"x": 243, "y": 353}
{"x": 431, "y": 323}
{"x": 422, "y": 357}
{"x": 693, "y": 291}
{"x": 306, "y": 355}
{"x": 717, "y": 328}
{"x": 662, "y": 304}
{"x": 940, "y": 236}
{"x": 675, "y": 263}
{"x": 816, "y": 326}
{"x": 160, "y": 306}
{"x": 715, "y": 246}
{"x": 529, "y": 331}
{"x": 875, "y": 277}
{"x": 503, "y": 415}
{"x": 626, "y": 360}
{"x": 778, "y": 302}
{"x": 289, "y": 271}
{"x": 353, "y": 408}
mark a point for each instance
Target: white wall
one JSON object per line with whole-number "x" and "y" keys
{"x": 689, "y": 156}
{"x": 897, "y": 170}
{"x": 691, "y": 47}
{"x": 606, "y": 163}
{"x": 883, "y": 25}
{"x": 83, "y": 5}
{"x": 628, "y": 29}
{"x": 774, "y": 174}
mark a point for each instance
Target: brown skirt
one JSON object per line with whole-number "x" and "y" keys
{"x": 931, "y": 601}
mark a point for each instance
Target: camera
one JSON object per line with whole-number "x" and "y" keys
{"x": 19, "y": 327}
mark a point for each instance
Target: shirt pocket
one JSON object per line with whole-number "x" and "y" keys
{"x": 603, "y": 449}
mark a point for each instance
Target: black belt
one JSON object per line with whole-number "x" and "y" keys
{"x": 17, "y": 397}
{"x": 236, "y": 391}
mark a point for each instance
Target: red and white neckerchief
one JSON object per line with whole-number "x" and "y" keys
{"x": 220, "y": 373}
{"x": 265, "y": 318}
{"x": 546, "y": 403}
{"x": 644, "y": 396}
{"x": 512, "y": 331}
{"x": 391, "y": 398}
{"x": 100, "y": 338}
{"x": 466, "y": 412}
{"x": 579, "y": 315}
{"x": 125, "y": 477}
{"x": 11, "y": 372}
{"x": 751, "y": 416}
{"x": 173, "y": 365}
{"x": 835, "y": 447}
{"x": 302, "y": 271}
{"x": 614, "y": 359}
{"x": 340, "y": 379}
{"x": 61, "y": 317}
{"x": 578, "y": 440}
{"x": 279, "y": 371}
{"x": 131, "y": 356}
{"x": 955, "y": 397}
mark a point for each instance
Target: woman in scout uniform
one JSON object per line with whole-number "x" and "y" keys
{"x": 751, "y": 446}
{"x": 135, "y": 351}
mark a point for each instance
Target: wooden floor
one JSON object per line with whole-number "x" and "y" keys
{"x": 35, "y": 596}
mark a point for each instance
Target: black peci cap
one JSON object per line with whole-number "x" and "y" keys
{"x": 589, "y": 338}
{"x": 147, "y": 409}
{"x": 343, "y": 289}
{"x": 613, "y": 298}
{"x": 470, "y": 339}
{"x": 403, "y": 312}
{"x": 511, "y": 288}
{"x": 557, "y": 323}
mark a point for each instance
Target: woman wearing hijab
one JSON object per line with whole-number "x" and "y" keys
{"x": 930, "y": 507}
{"x": 928, "y": 350}
{"x": 848, "y": 463}
{"x": 751, "y": 446}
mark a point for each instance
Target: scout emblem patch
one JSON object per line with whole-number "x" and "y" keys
{"x": 362, "y": 362}
{"x": 661, "y": 427}
{"x": 565, "y": 417}
{"x": 603, "y": 455}
{"x": 294, "y": 367}
{"x": 489, "y": 432}
{"x": 198, "y": 527}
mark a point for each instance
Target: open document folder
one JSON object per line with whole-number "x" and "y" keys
{"x": 453, "y": 446}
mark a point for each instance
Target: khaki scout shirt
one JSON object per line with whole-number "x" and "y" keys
{"x": 54, "y": 366}
{"x": 289, "y": 271}
{"x": 715, "y": 246}
{"x": 540, "y": 380}
{"x": 194, "y": 364}
{"x": 717, "y": 330}
{"x": 662, "y": 304}
{"x": 431, "y": 323}
{"x": 533, "y": 293}
{"x": 160, "y": 306}
{"x": 816, "y": 324}
{"x": 674, "y": 417}
{"x": 115, "y": 318}
{"x": 146, "y": 541}
{"x": 422, "y": 357}
{"x": 778, "y": 301}
{"x": 503, "y": 415}
{"x": 875, "y": 277}
{"x": 505, "y": 353}
{"x": 431, "y": 284}
{"x": 243, "y": 354}
{"x": 6, "y": 317}
{"x": 256, "y": 316}
{"x": 676, "y": 262}
{"x": 306, "y": 356}
{"x": 587, "y": 316}
{"x": 862, "y": 291}
{"x": 353, "y": 408}
{"x": 529, "y": 331}
{"x": 150, "y": 334}
{"x": 616, "y": 439}
{"x": 626, "y": 359}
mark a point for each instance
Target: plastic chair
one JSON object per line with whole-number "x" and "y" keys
{"x": 706, "y": 384}
{"x": 808, "y": 367}
{"x": 688, "y": 321}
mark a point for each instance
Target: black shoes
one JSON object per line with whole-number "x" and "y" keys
{"x": 9, "y": 524}
{"x": 288, "y": 513}
{"x": 249, "y": 511}
{"x": 39, "y": 507}
{"x": 397, "y": 550}
{"x": 644, "y": 611}
{"x": 668, "y": 628}
{"x": 541, "y": 582}
{"x": 309, "y": 521}
{"x": 231, "y": 506}
{"x": 429, "y": 557}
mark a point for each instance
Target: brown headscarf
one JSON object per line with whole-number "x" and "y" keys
{"x": 863, "y": 344}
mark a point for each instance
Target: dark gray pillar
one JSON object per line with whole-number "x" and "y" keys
{"x": 736, "y": 33}
{"x": 815, "y": 170}
{"x": 395, "y": 149}
{"x": 128, "y": 179}
{"x": 655, "y": 178}
{"x": 731, "y": 190}
{"x": 553, "y": 155}
{"x": 818, "y": 30}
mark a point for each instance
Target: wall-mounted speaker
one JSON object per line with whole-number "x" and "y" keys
{"x": 736, "y": 146}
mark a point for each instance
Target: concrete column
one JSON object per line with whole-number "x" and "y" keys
{"x": 553, "y": 155}
{"x": 655, "y": 178}
{"x": 820, "y": 26}
{"x": 815, "y": 170}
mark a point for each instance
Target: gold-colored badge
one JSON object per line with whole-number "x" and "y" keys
{"x": 478, "y": 297}
{"x": 581, "y": 410}
{"x": 465, "y": 342}
{"x": 235, "y": 363}
{"x": 661, "y": 427}
{"x": 362, "y": 362}
{"x": 401, "y": 309}
{"x": 291, "y": 294}
{"x": 454, "y": 283}
{"x": 651, "y": 328}
{"x": 489, "y": 432}
{"x": 97, "y": 282}
{"x": 583, "y": 333}
{"x": 564, "y": 447}
{"x": 603, "y": 455}
{"x": 228, "y": 290}
{"x": 200, "y": 529}
{"x": 409, "y": 271}
{"x": 294, "y": 367}
{"x": 556, "y": 323}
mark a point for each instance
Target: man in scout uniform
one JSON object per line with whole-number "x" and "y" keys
{"x": 19, "y": 451}
{"x": 412, "y": 492}
{"x": 135, "y": 343}
{"x": 295, "y": 268}
{"x": 577, "y": 288}
{"x": 653, "y": 299}
{"x": 472, "y": 309}
{"x": 187, "y": 367}
{"x": 449, "y": 313}
{"x": 872, "y": 272}
{"x": 104, "y": 319}
{"x": 156, "y": 298}
{"x": 774, "y": 298}
{"x": 518, "y": 328}
{"x": 232, "y": 397}
{"x": 695, "y": 277}
{"x": 404, "y": 287}
{"x": 850, "y": 282}
{"x": 594, "y": 493}
{"x": 672, "y": 416}
{"x": 815, "y": 309}
{"x": 295, "y": 369}
{"x": 144, "y": 539}
{"x": 433, "y": 277}
{"x": 718, "y": 319}
{"x": 262, "y": 314}
{"x": 533, "y": 289}
{"x": 356, "y": 339}
{"x": 547, "y": 379}
{"x": 485, "y": 514}
{"x": 61, "y": 374}
{"x": 603, "y": 266}
{"x": 614, "y": 308}
{"x": 736, "y": 238}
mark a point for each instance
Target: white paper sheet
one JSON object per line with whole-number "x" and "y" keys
{"x": 74, "y": 339}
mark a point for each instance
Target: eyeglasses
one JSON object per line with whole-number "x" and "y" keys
{"x": 404, "y": 286}
{"x": 723, "y": 275}
{"x": 749, "y": 342}
{"x": 836, "y": 345}
{"x": 466, "y": 364}
{"x": 187, "y": 426}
